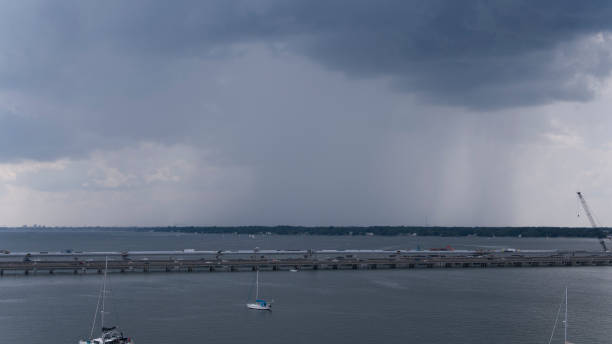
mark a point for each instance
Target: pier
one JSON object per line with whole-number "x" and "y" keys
{"x": 279, "y": 260}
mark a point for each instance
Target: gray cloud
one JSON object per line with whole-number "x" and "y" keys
{"x": 480, "y": 54}
{"x": 35, "y": 138}
{"x": 302, "y": 112}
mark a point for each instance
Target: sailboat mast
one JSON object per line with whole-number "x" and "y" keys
{"x": 257, "y": 285}
{"x": 565, "y": 322}
{"x": 104, "y": 291}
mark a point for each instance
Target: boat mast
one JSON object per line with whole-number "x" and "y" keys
{"x": 104, "y": 291}
{"x": 565, "y": 322}
{"x": 93, "y": 324}
{"x": 257, "y": 285}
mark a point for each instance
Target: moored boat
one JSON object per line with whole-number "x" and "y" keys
{"x": 259, "y": 304}
{"x": 109, "y": 335}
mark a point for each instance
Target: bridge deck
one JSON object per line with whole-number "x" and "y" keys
{"x": 189, "y": 261}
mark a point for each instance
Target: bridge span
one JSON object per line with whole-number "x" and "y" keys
{"x": 189, "y": 260}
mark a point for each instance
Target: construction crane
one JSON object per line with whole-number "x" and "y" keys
{"x": 587, "y": 210}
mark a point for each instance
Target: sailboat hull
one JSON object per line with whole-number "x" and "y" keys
{"x": 259, "y": 307}
{"x": 111, "y": 340}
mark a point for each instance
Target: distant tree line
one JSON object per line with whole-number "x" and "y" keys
{"x": 528, "y": 232}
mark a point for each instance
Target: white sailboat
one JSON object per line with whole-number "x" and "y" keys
{"x": 109, "y": 335}
{"x": 259, "y": 304}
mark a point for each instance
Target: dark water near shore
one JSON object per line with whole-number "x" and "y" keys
{"x": 510, "y": 305}
{"x": 18, "y": 240}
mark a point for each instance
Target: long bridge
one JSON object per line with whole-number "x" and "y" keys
{"x": 189, "y": 260}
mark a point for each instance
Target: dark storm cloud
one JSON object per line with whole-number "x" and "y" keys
{"x": 124, "y": 71}
{"x": 481, "y": 54}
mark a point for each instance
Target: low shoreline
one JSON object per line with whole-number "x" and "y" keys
{"x": 525, "y": 232}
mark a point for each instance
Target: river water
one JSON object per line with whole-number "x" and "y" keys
{"x": 502, "y": 305}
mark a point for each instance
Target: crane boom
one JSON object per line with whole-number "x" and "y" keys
{"x": 587, "y": 210}
{"x": 585, "y": 206}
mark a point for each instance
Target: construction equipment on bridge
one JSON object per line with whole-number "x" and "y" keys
{"x": 587, "y": 210}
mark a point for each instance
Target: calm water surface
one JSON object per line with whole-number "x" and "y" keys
{"x": 509, "y": 305}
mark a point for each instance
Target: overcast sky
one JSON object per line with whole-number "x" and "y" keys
{"x": 348, "y": 112}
